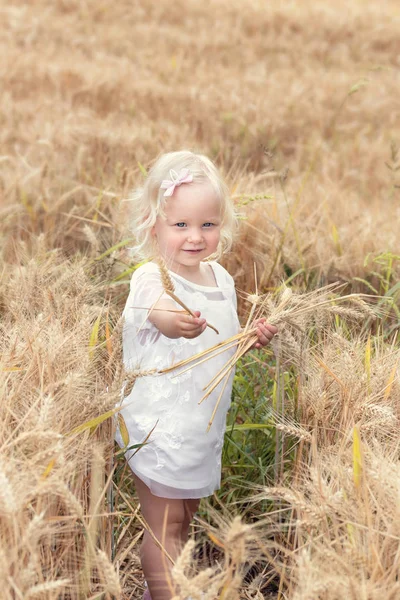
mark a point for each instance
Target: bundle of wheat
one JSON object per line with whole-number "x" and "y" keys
{"x": 293, "y": 312}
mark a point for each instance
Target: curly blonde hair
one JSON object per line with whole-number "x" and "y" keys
{"x": 148, "y": 202}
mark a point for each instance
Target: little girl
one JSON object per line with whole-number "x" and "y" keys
{"x": 183, "y": 215}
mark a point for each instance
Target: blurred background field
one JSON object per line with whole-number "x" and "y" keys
{"x": 298, "y": 104}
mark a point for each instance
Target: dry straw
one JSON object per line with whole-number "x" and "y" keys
{"x": 286, "y": 310}
{"x": 56, "y": 176}
{"x": 239, "y": 543}
{"x": 55, "y": 374}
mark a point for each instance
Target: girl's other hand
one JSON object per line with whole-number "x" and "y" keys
{"x": 190, "y": 327}
{"x": 265, "y": 332}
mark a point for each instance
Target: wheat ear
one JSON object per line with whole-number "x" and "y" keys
{"x": 169, "y": 288}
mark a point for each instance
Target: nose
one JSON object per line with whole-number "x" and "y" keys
{"x": 195, "y": 235}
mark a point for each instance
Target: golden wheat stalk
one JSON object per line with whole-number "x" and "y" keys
{"x": 199, "y": 362}
{"x": 213, "y": 351}
{"x": 290, "y": 308}
{"x": 169, "y": 288}
{"x": 239, "y": 353}
{"x": 249, "y": 338}
{"x": 218, "y": 377}
{"x": 244, "y": 344}
{"x": 243, "y": 347}
{"x": 151, "y": 309}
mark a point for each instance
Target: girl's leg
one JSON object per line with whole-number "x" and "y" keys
{"x": 169, "y": 520}
{"x": 191, "y": 507}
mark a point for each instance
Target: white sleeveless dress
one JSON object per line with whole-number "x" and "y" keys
{"x": 180, "y": 459}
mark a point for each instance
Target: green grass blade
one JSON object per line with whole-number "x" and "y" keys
{"x": 94, "y": 422}
{"x": 114, "y": 248}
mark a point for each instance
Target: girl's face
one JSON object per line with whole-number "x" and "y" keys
{"x": 191, "y": 230}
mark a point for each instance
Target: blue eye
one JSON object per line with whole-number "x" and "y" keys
{"x": 208, "y": 224}
{"x": 180, "y": 225}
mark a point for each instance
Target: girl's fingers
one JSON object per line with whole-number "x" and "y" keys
{"x": 192, "y": 333}
{"x": 272, "y": 328}
{"x": 265, "y": 333}
{"x": 185, "y": 318}
{"x": 192, "y": 326}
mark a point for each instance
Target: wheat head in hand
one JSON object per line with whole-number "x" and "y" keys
{"x": 169, "y": 288}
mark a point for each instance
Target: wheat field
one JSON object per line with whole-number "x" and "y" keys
{"x": 298, "y": 104}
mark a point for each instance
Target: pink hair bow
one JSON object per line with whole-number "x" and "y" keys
{"x": 176, "y": 180}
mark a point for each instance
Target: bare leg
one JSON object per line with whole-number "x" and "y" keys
{"x": 191, "y": 507}
{"x": 169, "y": 520}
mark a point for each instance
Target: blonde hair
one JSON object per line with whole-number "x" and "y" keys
{"x": 148, "y": 202}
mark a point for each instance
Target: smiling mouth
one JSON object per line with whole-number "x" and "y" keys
{"x": 194, "y": 251}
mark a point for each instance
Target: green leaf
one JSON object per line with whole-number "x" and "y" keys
{"x": 125, "y": 449}
{"x": 113, "y": 248}
{"x": 94, "y": 422}
{"x": 289, "y": 279}
{"x": 365, "y": 282}
{"x": 123, "y": 430}
{"x": 393, "y": 290}
{"x": 358, "y": 85}
{"x": 128, "y": 271}
{"x": 142, "y": 169}
{"x": 249, "y": 426}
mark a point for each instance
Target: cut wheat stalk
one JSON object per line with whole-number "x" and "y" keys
{"x": 178, "y": 301}
{"x": 289, "y": 309}
{"x": 226, "y": 344}
{"x": 152, "y": 309}
{"x": 224, "y": 349}
{"x": 226, "y": 375}
{"x": 239, "y": 353}
{"x": 169, "y": 289}
{"x": 220, "y": 375}
{"x": 243, "y": 341}
{"x": 210, "y": 422}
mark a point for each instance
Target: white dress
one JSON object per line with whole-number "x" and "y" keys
{"x": 180, "y": 459}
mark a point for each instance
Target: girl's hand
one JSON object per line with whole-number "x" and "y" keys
{"x": 175, "y": 324}
{"x": 188, "y": 326}
{"x": 265, "y": 332}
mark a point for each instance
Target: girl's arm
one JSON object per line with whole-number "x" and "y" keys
{"x": 176, "y": 324}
